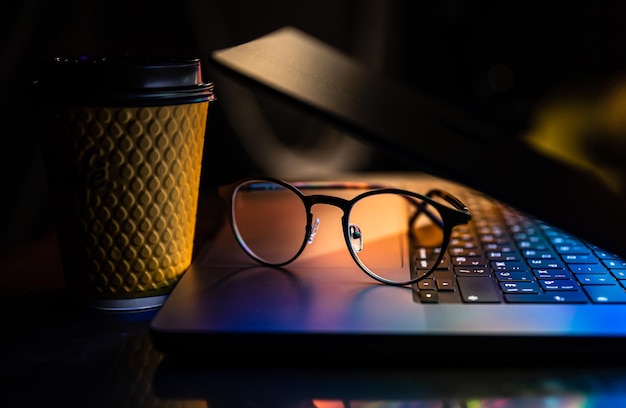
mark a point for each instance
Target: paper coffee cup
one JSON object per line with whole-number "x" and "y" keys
{"x": 122, "y": 141}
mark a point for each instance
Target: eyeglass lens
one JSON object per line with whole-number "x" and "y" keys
{"x": 383, "y": 223}
{"x": 270, "y": 221}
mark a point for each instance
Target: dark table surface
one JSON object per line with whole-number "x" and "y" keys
{"x": 56, "y": 353}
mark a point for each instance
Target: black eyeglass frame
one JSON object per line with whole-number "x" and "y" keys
{"x": 451, "y": 216}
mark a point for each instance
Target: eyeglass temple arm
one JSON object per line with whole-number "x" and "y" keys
{"x": 456, "y": 203}
{"x": 422, "y": 206}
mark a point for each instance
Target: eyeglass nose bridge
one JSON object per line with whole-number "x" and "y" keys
{"x": 326, "y": 199}
{"x": 312, "y": 200}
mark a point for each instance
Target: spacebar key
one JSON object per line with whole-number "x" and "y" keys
{"x": 478, "y": 289}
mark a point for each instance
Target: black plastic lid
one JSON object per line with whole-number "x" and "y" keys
{"x": 127, "y": 80}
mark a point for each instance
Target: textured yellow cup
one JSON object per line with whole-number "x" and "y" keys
{"x": 124, "y": 184}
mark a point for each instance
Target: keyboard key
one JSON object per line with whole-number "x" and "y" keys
{"x": 500, "y": 248}
{"x": 552, "y": 297}
{"x": 535, "y": 254}
{"x": 604, "y": 255}
{"x": 619, "y": 273}
{"x": 572, "y": 249}
{"x": 520, "y": 287}
{"x": 614, "y": 263}
{"x": 552, "y": 274}
{"x": 514, "y": 276}
{"x": 538, "y": 246}
{"x": 580, "y": 258}
{"x": 493, "y": 239}
{"x": 471, "y": 271}
{"x": 545, "y": 263}
{"x": 504, "y": 256}
{"x": 426, "y": 284}
{"x": 478, "y": 289}
{"x": 558, "y": 284}
{"x": 460, "y": 251}
{"x": 476, "y": 261}
{"x": 588, "y": 268}
{"x": 509, "y": 266}
{"x": 428, "y": 296}
{"x": 445, "y": 284}
{"x": 596, "y": 279}
{"x": 606, "y": 294}
{"x": 563, "y": 239}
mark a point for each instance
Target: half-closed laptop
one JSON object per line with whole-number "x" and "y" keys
{"x": 537, "y": 266}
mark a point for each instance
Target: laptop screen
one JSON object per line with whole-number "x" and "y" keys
{"x": 433, "y": 135}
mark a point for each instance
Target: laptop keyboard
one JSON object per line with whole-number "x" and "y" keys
{"x": 505, "y": 256}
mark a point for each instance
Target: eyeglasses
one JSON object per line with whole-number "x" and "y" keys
{"x": 273, "y": 223}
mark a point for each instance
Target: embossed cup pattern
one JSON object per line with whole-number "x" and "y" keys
{"x": 125, "y": 181}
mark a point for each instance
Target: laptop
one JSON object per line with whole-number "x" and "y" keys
{"x": 548, "y": 277}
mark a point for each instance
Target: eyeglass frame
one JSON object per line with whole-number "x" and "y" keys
{"x": 451, "y": 216}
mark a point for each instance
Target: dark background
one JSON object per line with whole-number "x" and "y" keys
{"x": 495, "y": 59}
